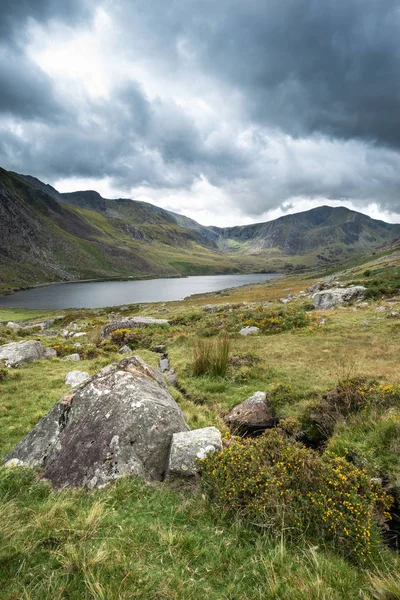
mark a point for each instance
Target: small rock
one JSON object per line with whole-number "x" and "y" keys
{"x": 284, "y": 300}
{"x": 80, "y": 334}
{"x": 125, "y": 350}
{"x": 49, "y": 353}
{"x": 322, "y": 321}
{"x": 164, "y": 365}
{"x": 365, "y": 324}
{"x": 189, "y": 447}
{"x": 252, "y": 416}
{"x": 160, "y": 348}
{"x": 74, "y": 378}
{"x": 13, "y": 326}
{"x": 381, "y": 308}
{"x": 75, "y": 357}
{"x": 249, "y": 330}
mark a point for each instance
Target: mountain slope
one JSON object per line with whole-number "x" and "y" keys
{"x": 49, "y": 236}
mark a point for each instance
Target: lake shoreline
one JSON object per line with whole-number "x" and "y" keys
{"x": 117, "y": 292}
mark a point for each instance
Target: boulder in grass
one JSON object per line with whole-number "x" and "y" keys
{"x": 131, "y": 323}
{"x": 125, "y": 350}
{"x": 74, "y": 357}
{"x": 120, "y": 422}
{"x": 252, "y": 416}
{"x": 337, "y": 296}
{"x": 20, "y": 353}
{"x": 189, "y": 447}
{"x": 249, "y": 331}
{"x": 74, "y": 378}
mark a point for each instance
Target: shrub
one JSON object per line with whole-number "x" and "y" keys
{"x": 120, "y": 337}
{"x": 211, "y": 357}
{"x": 284, "y": 487}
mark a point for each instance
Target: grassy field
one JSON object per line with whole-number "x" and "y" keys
{"x": 136, "y": 540}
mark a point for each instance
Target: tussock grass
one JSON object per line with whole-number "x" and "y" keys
{"x": 211, "y": 356}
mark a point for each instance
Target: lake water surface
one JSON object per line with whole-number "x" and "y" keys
{"x": 98, "y": 294}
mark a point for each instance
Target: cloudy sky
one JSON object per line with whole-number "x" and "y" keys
{"x": 227, "y": 111}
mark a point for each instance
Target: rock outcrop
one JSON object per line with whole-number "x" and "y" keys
{"x": 189, "y": 447}
{"x": 119, "y": 422}
{"x": 131, "y": 323}
{"x": 335, "y": 296}
{"x": 252, "y": 416}
{"x": 20, "y": 353}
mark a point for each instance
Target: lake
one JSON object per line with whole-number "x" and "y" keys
{"x": 98, "y": 294}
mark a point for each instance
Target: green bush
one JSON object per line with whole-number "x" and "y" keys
{"x": 211, "y": 357}
{"x": 285, "y": 488}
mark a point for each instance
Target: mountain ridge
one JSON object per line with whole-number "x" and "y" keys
{"x": 49, "y": 236}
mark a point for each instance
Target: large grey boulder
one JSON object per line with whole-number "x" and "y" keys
{"x": 131, "y": 323}
{"x": 74, "y": 378}
{"x": 20, "y": 353}
{"x": 119, "y": 422}
{"x": 252, "y": 416}
{"x": 336, "y": 296}
{"x": 189, "y": 447}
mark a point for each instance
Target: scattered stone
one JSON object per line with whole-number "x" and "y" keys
{"x": 20, "y": 353}
{"x": 13, "y": 326}
{"x": 365, "y": 324}
{"x": 74, "y": 378}
{"x": 51, "y": 332}
{"x": 164, "y": 365}
{"x": 382, "y": 308}
{"x": 160, "y": 348}
{"x": 322, "y": 321}
{"x": 252, "y": 416}
{"x": 171, "y": 378}
{"x": 189, "y": 447}
{"x": 249, "y": 330}
{"x": 75, "y": 357}
{"x": 132, "y": 323}
{"x": 65, "y": 333}
{"x": 119, "y": 422}
{"x": 284, "y": 300}
{"x": 77, "y": 345}
{"x": 125, "y": 350}
{"x": 393, "y": 314}
{"x": 80, "y": 334}
{"x": 49, "y": 353}
{"x": 73, "y": 326}
{"x": 337, "y": 296}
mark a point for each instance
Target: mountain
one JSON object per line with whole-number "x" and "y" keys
{"x": 49, "y": 236}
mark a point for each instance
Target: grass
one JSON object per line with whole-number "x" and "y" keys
{"x": 211, "y": 357}
{"x": 161, "y": 541}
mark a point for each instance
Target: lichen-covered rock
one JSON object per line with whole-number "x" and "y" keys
{"x": 75, "y": 357}
{"x": 249, "y": 330}
{"x": 119, "y": 422}
{"x": 125, "y": 350}
{"x": 252, "y": 416}
{"x": 336, "y": 296}
{"x": 189, "y": 447}
{"x": 49, "y": 353}
{"x": 131, "y": 323}
{"x": 20, "y": 353}
{"x": 74, "y": 378}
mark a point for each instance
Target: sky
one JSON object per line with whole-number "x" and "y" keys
{"x": 228, "y": 111}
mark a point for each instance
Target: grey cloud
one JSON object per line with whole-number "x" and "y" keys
{"x": 16, "y": 13}
{"x": 303, "y": 66}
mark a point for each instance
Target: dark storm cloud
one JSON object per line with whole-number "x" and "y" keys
{"x": 15, "y": 14}
{"x": 310, "y": 94}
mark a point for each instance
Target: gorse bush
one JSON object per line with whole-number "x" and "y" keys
{"x": 211, "y": 357}
{"x": 284, "y": 487}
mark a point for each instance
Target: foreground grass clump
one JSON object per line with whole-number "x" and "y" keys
{"x": 150, "y": 542}
{"x": 211, "y": 357}
{"x": 282, "y": 486}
